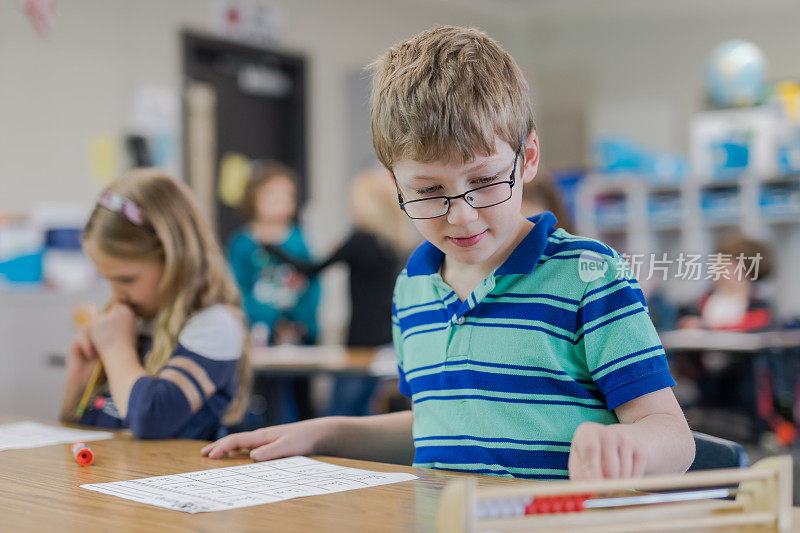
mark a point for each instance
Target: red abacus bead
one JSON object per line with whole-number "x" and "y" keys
{"x": 558, "y": 505}
{"x": 570, "y": 505}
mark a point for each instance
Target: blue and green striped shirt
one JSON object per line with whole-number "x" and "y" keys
{"x": 556, "y": 336}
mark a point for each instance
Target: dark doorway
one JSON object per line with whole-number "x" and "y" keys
{"x": 258, "y": 111}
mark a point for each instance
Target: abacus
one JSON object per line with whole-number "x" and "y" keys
{"x": 763, "y": 502}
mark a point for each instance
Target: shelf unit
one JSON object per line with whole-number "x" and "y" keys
{"x": 637, "y": 217}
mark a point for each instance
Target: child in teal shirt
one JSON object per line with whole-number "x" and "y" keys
{"x": 274, "y": 294}
{"x": 276, "y": 297}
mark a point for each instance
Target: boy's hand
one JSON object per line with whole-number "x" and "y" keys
{"x": 600, "y": 451}
{"x": 115, "y": 327}
{"x": 298, "y": 438}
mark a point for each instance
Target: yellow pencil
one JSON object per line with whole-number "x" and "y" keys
{"x": 83, "y": 316}
{"x": 90, "y": 386}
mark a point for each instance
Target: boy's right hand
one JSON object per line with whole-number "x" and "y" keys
{"x": 81, "y": 359}
{"x": 298, "y": 438}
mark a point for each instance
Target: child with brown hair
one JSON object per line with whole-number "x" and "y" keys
{"x": 732, "y": 303}
{"x": 542, "y": 195}
{"x": 526, "y": 351}
{"x": 278, "y": 299}
{"x": 275, "y": 294}
{"x": 172, "y": 341}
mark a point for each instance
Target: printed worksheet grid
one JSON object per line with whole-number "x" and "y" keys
{"x": 244, "y": 485}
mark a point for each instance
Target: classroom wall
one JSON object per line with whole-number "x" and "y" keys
{"x": 625, "y": 66}
{"x": 638, "y": 67}
{"x": 59, "y": 92}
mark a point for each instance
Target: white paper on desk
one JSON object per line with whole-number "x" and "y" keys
{"x": 232, "y": 487}
{"x": 32, "y": 435}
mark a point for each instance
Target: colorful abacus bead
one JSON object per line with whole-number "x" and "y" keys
{"x": 557, "y": 504}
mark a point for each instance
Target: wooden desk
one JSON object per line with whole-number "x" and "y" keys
{"x": 309, "y": 360}
{"x": 39, "y": 491}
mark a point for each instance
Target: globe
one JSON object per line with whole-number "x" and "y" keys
{"x": 735, "y": 74}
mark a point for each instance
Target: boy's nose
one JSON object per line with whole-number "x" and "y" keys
{"x": 461, "y": 212}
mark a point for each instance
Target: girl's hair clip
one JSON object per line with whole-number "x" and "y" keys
{"x": 132, "y": 212}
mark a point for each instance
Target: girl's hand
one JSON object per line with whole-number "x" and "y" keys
{"x": 288, "y": 333}
{"x": 113, "y": 328}
{"x": 81, "y": 359}
{"x": 599, "y": 451}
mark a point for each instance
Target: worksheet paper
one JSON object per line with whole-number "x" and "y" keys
{"x": 232, "y": 487}
{"x": 32, "y": 435}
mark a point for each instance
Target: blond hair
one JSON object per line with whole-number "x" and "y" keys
{"x": 446, "y": 94}
{"x": 376, "y": 211}
{"x": 195, "y": 274}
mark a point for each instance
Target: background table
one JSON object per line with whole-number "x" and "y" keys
{"x": 728, "y": 341}
{"x": 333, "y": 359}
{"x": 753, "y": 351}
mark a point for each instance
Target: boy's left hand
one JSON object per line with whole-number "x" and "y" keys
{"x": 115, "y": 327}
{"x": 600, "y": 451}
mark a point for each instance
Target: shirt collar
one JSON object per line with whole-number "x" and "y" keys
{"x": 427, "y": 258}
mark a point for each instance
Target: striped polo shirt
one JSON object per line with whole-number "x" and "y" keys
{"x": 556, "y": 336}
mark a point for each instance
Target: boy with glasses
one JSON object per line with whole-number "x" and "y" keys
{"x": 526, "y": 351}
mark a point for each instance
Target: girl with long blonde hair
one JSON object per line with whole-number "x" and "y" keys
{"x": 172, "y": 341}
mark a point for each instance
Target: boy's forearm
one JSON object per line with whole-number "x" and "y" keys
{"x": 667, "y": 441}
{"x": 384, "y": 438}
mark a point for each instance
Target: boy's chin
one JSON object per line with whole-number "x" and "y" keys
{"x": 474, "y": 255}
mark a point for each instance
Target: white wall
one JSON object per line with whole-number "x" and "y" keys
{"x": 586, "y": 61}
{"x": 56, "y": 93}
{"x": 590, "y": 58}
{"x": 637, "y": 68}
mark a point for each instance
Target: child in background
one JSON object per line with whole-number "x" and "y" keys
{"x": 277, "y": 298}
{"x": 172, "y": 340}
{"x": 542, "y": 195}
{"x": 519, "y": 360}
{"x": 274, "y": 293}
{"x": 733, "y": 302}
{"x": 375, "y": 252}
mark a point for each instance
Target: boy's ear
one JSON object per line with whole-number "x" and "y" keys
{"x": 388, "y": 172}
{"x": 531, "y": 156}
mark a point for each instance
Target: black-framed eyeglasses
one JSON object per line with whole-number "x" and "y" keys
{"x": 478, "y": 198}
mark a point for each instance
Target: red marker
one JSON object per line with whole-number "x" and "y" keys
{"x": 83, "y": 454}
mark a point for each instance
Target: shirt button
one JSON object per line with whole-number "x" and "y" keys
{"x": 460, "y": 320}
